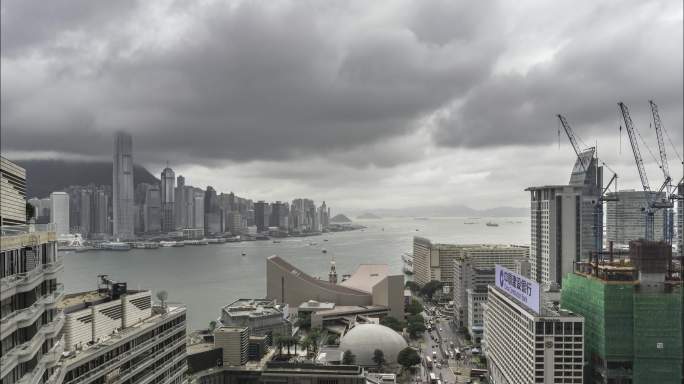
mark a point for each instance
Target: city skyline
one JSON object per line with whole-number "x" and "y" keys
{"x": 321, "y": 114}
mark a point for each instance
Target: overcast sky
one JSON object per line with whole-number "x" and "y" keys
{"x": 361, "y": 103}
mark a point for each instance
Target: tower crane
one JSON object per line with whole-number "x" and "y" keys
{"x": 651, "y": 203}
{"x": 598, "y": 207}
{"x": 669, "y": 214}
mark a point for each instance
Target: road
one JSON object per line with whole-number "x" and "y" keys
{"x": 438, "y": 341}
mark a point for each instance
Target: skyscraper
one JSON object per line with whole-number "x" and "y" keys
{"x": 168, "y": 179}
{"x": 260, "y": 218}
{"x": 59, "y": 212}
{"x": 626, "y": 219}
{"x": 122, "y": 186}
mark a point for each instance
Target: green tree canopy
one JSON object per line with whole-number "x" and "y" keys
{"x": 348, "y": 358}
{"x": 392, "y": 322}
{"x": 414, "y": 307}
{"x": 430, "y": 288}
{"x": 408, "y": 357}
{"x": 412, "y": 286}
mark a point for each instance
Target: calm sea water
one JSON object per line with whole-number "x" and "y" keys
{"x": 208, "y": 277}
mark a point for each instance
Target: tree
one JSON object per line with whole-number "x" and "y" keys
{"x": 212, "y": 326}
{"x": 315, "y": 335}
{"x": 430, "y": 288}
{"x": 412, "y": 286}
{"x": 348, "y": 358}
{"x": 379, "y": 358}
{"x": 162, "y": 296}
{"x": 306, "y": 343}
{"x": 414, "y": 307}
{"x": 415, "y": 328}
{"x": 408, "y": 357}
{"x": 304, "y": 321}
{"x": 392, "y": 322}
{"x": 279, "y": 341}
{"x": 30, "y": 212}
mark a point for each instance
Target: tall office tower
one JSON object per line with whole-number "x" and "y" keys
{"x": 85, "y": 212}
{"x": 198, "y": 208}
{"x": 587, "y": 174}
{"x": 59, "y": 212}
{"x": 324, "y": 216}
{"x": 234, "y": 222}
{"x": 180, "y": 204}
{"x": 556, "y": 234}
{"x": 116, "y": 335}
{"x": 100, "y": 212}
{"x": 168, "y": 178}
{"x": 526, "y": 341}
{"x": 152, "y": 211}
{"x": 213, "y": 215}
{"x": 13, "y": 191}
{"x": 122, "y": 187}
{"x": 634, "y": 314}
{"x": 260, "y": 219}
{"x": 626, "y": 220}
{"x": 31, "y": 322}
{"x": 472, "y": 269}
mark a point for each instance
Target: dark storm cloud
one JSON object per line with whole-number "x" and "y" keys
{"x": 241, "y": 81}
{"x": 354, "y": 82}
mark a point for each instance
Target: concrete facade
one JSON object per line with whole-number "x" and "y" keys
{"x": 13, "y": 191}
{"x": 234, "y": 342}
{"x": 626, "y": 220}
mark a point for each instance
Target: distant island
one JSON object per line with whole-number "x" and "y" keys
{"x": 340, "y": 219}
{"x": 368, "y": 216}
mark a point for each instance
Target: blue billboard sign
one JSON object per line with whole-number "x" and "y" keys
{"x": 522, "y": 289}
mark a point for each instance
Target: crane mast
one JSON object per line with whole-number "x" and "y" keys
{"x": 667, "y": 184}
{"x": 571, "y": 136}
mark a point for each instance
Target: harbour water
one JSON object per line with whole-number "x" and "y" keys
{"x": 207, "y": 277}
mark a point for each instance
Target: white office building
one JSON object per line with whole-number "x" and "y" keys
{"x": 116, "y": 335}
{"x": 59, "y": 212}
{"x": 530, "y": 343}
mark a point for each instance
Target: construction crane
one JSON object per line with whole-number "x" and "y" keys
{"x": 651, "y": 203}
{"x": 598, "y": 207}
{"x": 667, "y": 184}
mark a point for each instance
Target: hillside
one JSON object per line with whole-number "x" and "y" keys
{"x": 46, "y": 176}
{"x": 340, "y": 219}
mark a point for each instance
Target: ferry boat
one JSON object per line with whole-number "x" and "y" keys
{"x": 244, "y": 253}
{"x": 324, "y": 250}
{"x": 171, "y": 244}
{"x": 491, "y": 224}
{"x": 145, "y": 245}
{"x": 196, "y": 242}
{"x": 216, "y": 240}
{"x": 116, "y": 246}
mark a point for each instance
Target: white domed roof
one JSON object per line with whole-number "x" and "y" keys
{"x": 364, "y": 339}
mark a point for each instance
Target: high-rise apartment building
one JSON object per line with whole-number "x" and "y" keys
{"x": 213, "y": 214}
{"x": 473, "y": 268}
{"x": 30, "y": 323}
{"x": 260, "y": 217}
{"x": 634, "y": 316}
{"x": 168, "y": 178}
{"x": 198, "y": 209}
{"x": 530, "y": 342}
{"x": 180, "y": 207}
{"x": 59, "y": 212}
{"x": 122, "y": 187}
{"x": 115, "y": 335}
{"x": 556, "y": 232}
{"x": 626, "y": 219}
{"x": 565, "y": 219}
{"x": 41, "y": 209}
{"x": 13, "y": 191}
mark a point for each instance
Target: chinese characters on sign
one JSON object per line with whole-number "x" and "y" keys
{"x": 524, "y": 290}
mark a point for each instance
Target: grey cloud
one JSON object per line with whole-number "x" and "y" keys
{"x": 621, "y": 52}
{"x": 245, "y": 81}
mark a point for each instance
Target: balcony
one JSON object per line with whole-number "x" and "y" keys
{"x": 22, "y": 282}
{"x": 46, "y": 361}
{"x": 27, "y": 350}
{"x": 27, "y": 316}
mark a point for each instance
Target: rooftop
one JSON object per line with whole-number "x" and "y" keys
{"x": 252, "y": 308}
{"x": 366, "y": 276}
{"x": 76, "y": 301}
{"x": 316, "y": 305}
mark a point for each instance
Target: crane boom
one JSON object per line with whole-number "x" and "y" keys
{"x": 573, "y": 140}
{"x": 629, "y": 126}
{"x": 657, "y": 124}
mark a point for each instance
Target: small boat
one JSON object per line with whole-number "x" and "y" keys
{"x": 276, "y": 241}
{"x": 244, "y": 253}
{"x": 324, "y": 250}
{"x": 167, "y": 244}
{"x": 325, "y": 239}
{"x": 491, "y": 224}
{"x": 469, "y": 222}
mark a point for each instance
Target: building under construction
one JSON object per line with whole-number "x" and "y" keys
{"x": 633, "y": 310}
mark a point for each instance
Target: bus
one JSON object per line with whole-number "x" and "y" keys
{"x": 433, "y": 378}
{"x": 428, "y": 362}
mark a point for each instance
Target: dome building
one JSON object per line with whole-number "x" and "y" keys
{"x": 364, "y": 339}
